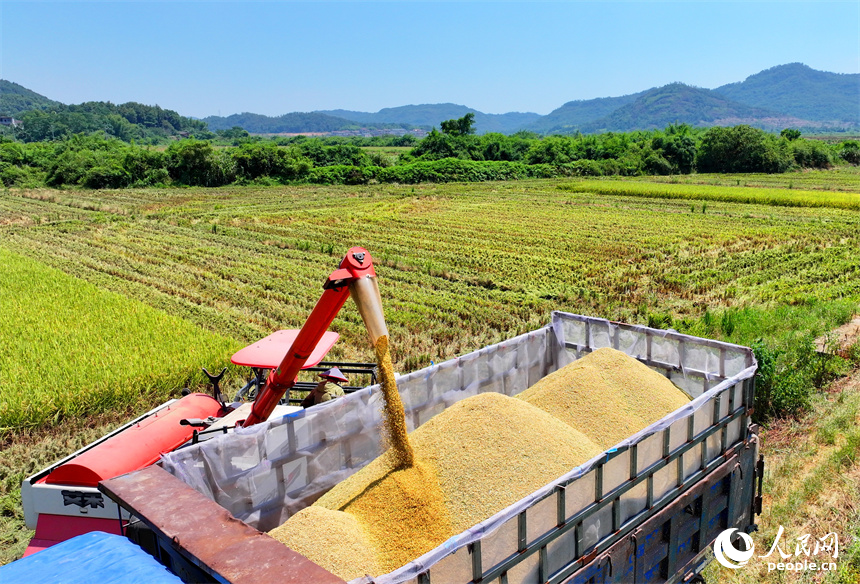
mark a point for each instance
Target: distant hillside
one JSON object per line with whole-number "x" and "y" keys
{"x": 432, "y": 115}
{"x": 288, "y": 123}
{"x": 800, "y": 91}
{"x": 679, "y": 103}
{"x": 16, "y": 99}
{"x": 574, "y": 114}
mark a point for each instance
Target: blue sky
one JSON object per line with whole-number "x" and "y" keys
{"x": 210, "y": 58}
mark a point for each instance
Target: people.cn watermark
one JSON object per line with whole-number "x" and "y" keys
{"x": 731, "y": 557}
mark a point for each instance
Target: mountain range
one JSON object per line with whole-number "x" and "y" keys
{"x": 792, "y": 95}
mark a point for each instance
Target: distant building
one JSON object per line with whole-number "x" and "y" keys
{"x": 10, "y": 121}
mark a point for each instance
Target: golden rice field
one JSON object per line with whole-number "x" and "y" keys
{"x": 71, "y": 350}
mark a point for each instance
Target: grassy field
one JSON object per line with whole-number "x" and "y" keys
{"x": 812, "y": 480}
{"x": 460, "y": 266}
{"x": 842, "y": 178}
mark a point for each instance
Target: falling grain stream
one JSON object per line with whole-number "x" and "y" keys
{"x": 394, "y": 416}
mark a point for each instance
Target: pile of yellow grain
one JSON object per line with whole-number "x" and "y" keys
{"x": 331, "y": 539}
{"x": 607, "y": 395}
{"x": 474, "y": 459}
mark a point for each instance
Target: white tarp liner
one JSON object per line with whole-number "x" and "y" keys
{"x": 266, "y": 473}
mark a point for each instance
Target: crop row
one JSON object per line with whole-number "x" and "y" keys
{"x": 460, "y": 266}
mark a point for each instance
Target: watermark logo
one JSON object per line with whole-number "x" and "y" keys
{"x": 729, "y": 556}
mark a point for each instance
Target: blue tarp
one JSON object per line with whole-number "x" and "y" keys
{"x": 92, "y": 558}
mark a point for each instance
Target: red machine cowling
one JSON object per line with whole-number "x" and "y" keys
{"x": 138, "y": 446}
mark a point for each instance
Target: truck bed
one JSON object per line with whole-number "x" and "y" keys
{"x": 618, "y": 515}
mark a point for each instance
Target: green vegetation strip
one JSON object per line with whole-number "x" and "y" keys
{"x": 756, "y": 196}
{"x": 69, "y": 349}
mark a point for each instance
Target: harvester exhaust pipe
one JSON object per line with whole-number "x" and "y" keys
{"x": 355, "y": 277}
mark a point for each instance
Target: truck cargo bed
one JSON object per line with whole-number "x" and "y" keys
{"x": 617, "y": 514}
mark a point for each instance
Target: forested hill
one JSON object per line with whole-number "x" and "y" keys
{"x": 676, "y": 102}
{"x": 127, "y": 121}
{"x": 574, "y": 114}
{"x": 297, "y": 122}
{"x": 800, "y": 91}
{"x": 432, "y": 115}
{"x": 16, "y": 99}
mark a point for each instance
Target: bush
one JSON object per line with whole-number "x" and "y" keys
{"x": 20, "y": 176}
{"x": 145, "y": 167}
{"x": 457, "y": 170}
{"x": 342, "y": 174}
{"x": 656, "y": 164}
{"x": 850, "y": 152}
{"x": 110, "y": 176}
{"x": 257, "y": 160}
{"x": 196, "y": 163}
{"x": 787, "y": 377}
{"x": 811, "y": 154}
{"x": 742, "y": 149}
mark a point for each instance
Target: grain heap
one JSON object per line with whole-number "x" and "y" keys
{"x": 331, "y": 539}
{"x": 477, "y": 457}
{"x": 607, "y": 395}
{"x": 472, "y": 460}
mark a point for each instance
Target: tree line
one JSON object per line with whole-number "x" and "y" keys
{"x": 454, "y": 154}
{"x": 129, "y": 122}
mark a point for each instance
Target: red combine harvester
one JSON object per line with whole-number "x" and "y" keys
{"x": 63, "y": 501}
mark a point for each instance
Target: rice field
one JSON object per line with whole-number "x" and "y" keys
{"x": 111, "y": 300}
{"x": 461, "y": 266}
{"x": 71, "y": 350}
{"x": 842, "y": 178}
{"x": 774, "y": 196}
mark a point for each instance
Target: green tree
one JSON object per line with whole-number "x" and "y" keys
{"x": 460, "y": 127}
{"x": 850, "y": 152}
{"x": 196, "y": 163}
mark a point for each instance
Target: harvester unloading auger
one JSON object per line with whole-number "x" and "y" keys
{"x": 355, "y": 277}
